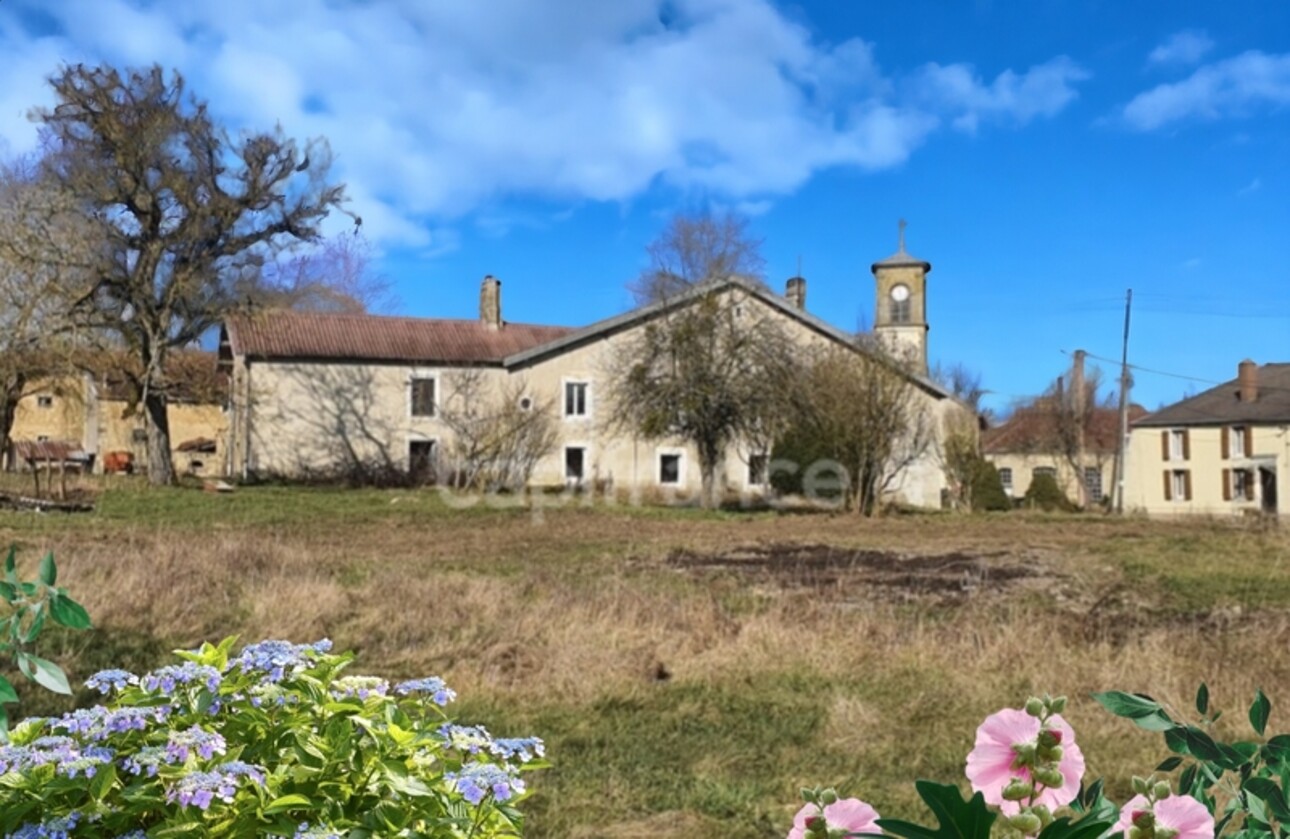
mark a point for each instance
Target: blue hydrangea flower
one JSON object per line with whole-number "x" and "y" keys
{"x": 59, "y": 828}
{"x": 166, "y": 679}
{"x": 476, "y": 781}
{"x": 85, "y": 763}
{"x": 206, "y": 743}
{"x": 468, "y": 738}
{"x": 361, "y": 686}
{"x": 146, "y": 760}
{"x": 276, "y": 659}
{"x": 522, "y": 748}
{"x": 434, "y": 686}
{"x": 107, "y": 681}
{"x": 308, "y": 831}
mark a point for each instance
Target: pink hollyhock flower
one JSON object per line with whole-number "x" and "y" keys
{"x": 850, "y": 814}
{"x": 1177, "y": 812}
{"x": 989, "y": 766}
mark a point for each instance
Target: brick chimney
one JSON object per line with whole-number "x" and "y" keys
{"x": 490, "y": 302}
{"x": 1247, "y": 379}
{"x": 795, "y": 291}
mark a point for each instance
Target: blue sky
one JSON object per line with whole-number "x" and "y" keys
{"x": 1048, "y": 155}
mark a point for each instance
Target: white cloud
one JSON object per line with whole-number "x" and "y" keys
{"x": 1041, "y": 91}
{"x": 1229, "y": 88}
{"x": 436, "y": 110}
{"x": 1185, "y": 47}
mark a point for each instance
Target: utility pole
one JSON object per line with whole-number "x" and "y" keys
{"x": 1122, "y": 451}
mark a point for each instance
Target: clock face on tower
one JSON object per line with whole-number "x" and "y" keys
{"x": 899, "y": 306}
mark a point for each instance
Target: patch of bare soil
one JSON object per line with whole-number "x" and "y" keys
{"x": 885, "y": 574}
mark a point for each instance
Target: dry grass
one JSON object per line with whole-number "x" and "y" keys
{"x": 682, "y": 698}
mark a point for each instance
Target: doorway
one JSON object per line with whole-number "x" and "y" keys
{"x": 421, "y": 461}
{"x": 1268, "y": 489}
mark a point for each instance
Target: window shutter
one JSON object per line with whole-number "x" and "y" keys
{"x": 1227, "y": 442}
{"x": 1164, "y": 445}
{"x": 1227, "y": 480}
{"x": 1249, "y": 441}
{"x": 1186, "y": 444}
{"x": 1187, "y": 484}
{"x": 1169, "y": 488}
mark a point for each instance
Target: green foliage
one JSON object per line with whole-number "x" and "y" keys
{"x": 987, "y": 488}
{"x": 956, "y": 818}
{"x": 275, "y": 741}
{"x": 1045, "y": 495}
{"x": 793, "y": 455}
{"x": 1245, "y": 783}
{"x": 30, "y": 604}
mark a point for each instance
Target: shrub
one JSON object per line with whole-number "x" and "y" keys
{"x": 987, "y": 488}
{"x": 1046, "y": 495}
{"x": 274, "y": 741}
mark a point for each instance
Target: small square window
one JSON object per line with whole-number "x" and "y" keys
{"x": 757, "y": 469}
{"x": 44, "y": 401}
{"x": 423, "y": 397}
{"x": 1005, "y": 478}
{"x": 139, "y": 435}
{"x": 669, "y": 469}
{"x": 575, "y": 399}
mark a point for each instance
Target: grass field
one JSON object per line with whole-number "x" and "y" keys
{"x": 691, "y": 670}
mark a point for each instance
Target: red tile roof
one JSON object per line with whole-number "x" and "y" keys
{"x": 284, "y": 334}
{"x": 1033, "y": 429}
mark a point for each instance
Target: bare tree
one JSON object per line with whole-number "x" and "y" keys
{"x": 860, "y": 409}
{"x": 712, "y": 371}
{"x": 188, "y": 213}
{"x": 695, "y": 248}
{"x": 335, "y": 275}
{"x": 497, "y": 438}
{"x": 47, "y": 257}
{"x": 1066, "y": 416}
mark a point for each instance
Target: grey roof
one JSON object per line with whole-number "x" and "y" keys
{"x": 628, "y": 319}
{"x": 1221, "y": 405}
{"x": 900, "y": 259}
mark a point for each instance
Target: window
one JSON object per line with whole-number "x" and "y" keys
{"x": 1050, "y": 471}
{"x": 421, "y": 461}
{"x": 139, "y": 435}
{"x": 669, "y": 469}
{"x": 1093, "y": 483}
{"x": 1005, "y": 478}
{"x": 757, "y": 469}
{"x": 42, "y": 438}
{"x": 526, "y": 403}
{"x": 1177, "y": 485}
{"x": 44, "y": 401}
{"x": 899, "y": 304}
{"x": 423, "y": 397}
{"x": 1238, "y": 441}
{"x": 575, "y": 399}
{"x": 575, "y": 464}
{"x": 1177, "y": 446}
{"x": 1243, "y": 484}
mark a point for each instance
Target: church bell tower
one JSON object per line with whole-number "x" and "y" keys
{"x": 900, "y": 312}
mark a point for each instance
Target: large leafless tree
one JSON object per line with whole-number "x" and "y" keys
{"x": 48, "y": 255}
{"x": 697, "y": 247}
{"x": 188, "y": 213}
{"x": 498, "y": 434}
{"x": 859, "y": 408}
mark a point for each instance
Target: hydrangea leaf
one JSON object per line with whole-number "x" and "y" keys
{"x": 287, "y": 802}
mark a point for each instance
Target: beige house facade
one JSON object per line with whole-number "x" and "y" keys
{"x": 1224, "y": 452}
{"x": 311, "y": 393}
{"x": 86, "y": 420}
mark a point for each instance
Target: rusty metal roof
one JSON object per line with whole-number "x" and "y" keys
{"x": 1034, "y": 430}
{"x": 52, "y": 450}
{"x": 282, "y": 334}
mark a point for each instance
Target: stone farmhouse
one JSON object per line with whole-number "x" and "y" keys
{"x": 1221, "y": 452}
{"x": 83, "y": 421}
{"x": 310, "y": 393}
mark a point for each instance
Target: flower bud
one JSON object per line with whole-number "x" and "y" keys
{"x": 1027, "y": 823}
{"x": 1143, "y": 819}
{"x": 1045, "y": 815}
{"x": 1135, "y": 833}
{"x": 1035, "y": 706}
{"x": 1025, "y": 755}
{"x": 1140, "y": 785}
{"x": 838, "y": 833}
{"x": 1054, "y": 754}
{"x": 816, "y": 827}
{"x": 1050, "y": 776}
{"x": 1057, "y": 704}
{"x": 1050, "y": 737}
{"x": 1161, "y": 790}
{"x": 1163, "y": 832}
{"x": 828, "y": 797}
{"x": 1018, "y": 790}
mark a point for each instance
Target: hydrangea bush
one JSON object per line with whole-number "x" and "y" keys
{"x": 1027, "y": 773}
{"x": 276, "y": 740}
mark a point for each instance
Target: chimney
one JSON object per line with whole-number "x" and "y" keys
{"x": 1247, "y": 377}
{"x": 490, "y": 302}
{"x": 795, "y": 291}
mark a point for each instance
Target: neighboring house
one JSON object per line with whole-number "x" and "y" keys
{"x": 1222, "y": 452}
{"x": 313, "y": 393}
{"x": 1029, "y": 444}
{"x": 88, "y": 414}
